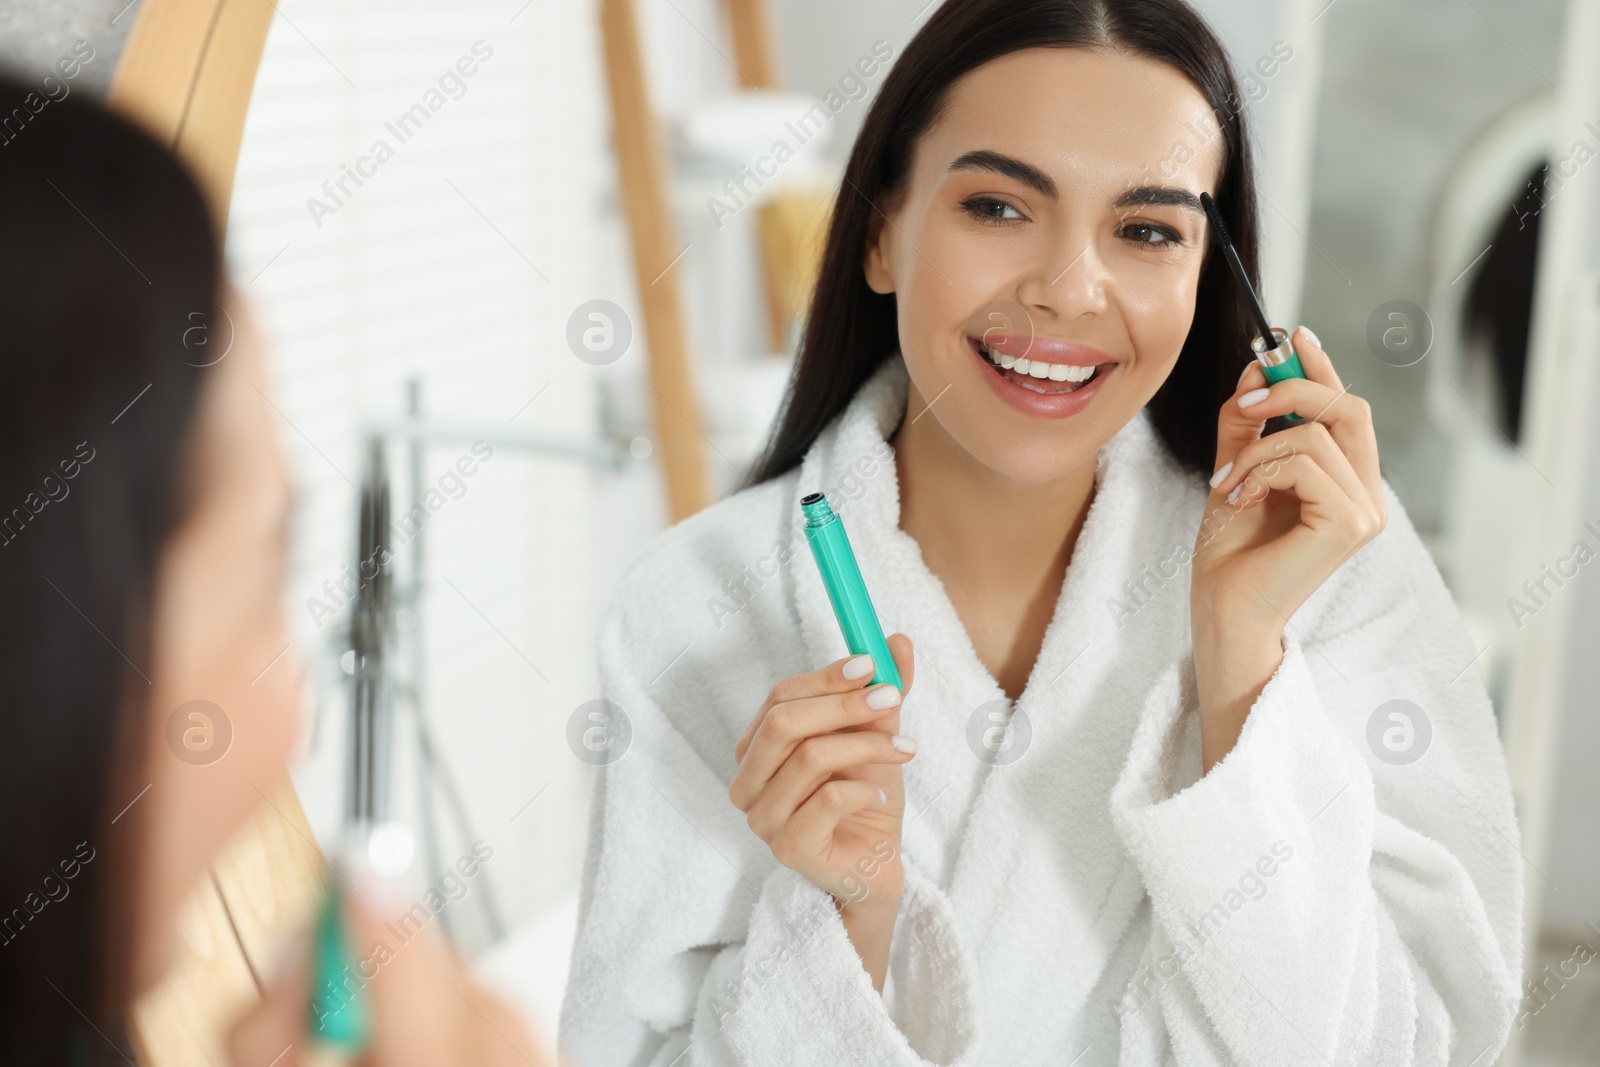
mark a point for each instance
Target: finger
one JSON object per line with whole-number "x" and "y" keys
{"x": 814, "y": 761}
{"x": 273, "y": 1031}
{"x": 790, "y": 723}
{"x": 1251, "y": 377}
{"x": 1236, "y": 428}
{"x": 810, "y": 831}
{"x": 1314, "y": 359}
{"x": 1354, "y": 430}
{"x": 840, "y": 676}
{"x": 402, "y": 980}
{"x": 1331, "y": 524}
{"x": 1347, "y": 417}
{"x": 904, "y": 654}
{"x": 1313, "y": 439}
{"x": 1237, "y": 425}
{"x": 425, "y": 1009}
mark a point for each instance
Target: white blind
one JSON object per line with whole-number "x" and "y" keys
{"x": 456, "y": 260}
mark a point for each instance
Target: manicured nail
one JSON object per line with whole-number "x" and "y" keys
{"x": 903, "y": 743}
{"x": 883, "y": 697}
{"x": 858, "y": 667}
{"x": 1253, "y": 397}
{"x": 1222, "y": 473}
{"x": 1314, "y": 339}
{"x": 1235, "y": 494}
{"x": 883, "y": 798}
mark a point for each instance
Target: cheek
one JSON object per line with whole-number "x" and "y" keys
{"x": 224, "y": 643}
{"x": 945, "y": 273}
{"x": 1158, "y": 308}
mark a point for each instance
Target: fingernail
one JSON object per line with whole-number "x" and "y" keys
{"x": 1235, "y": 494}
{"x": 1246, "y": 370}
{"x": 903, "y": 743}
{"x": 1314, "y": 339}
{"x": 1254, "y": 396}
{"x": 858, "y": 667}
{"x": 1222, "y": 473}
{"x": 884, "y": 696}
{"x": 883, "y": 798}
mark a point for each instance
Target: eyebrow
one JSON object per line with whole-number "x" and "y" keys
{"x": 1033, "y": 177}
{"x": 1010, "y": 167}
{"x": 1159, "y": 196}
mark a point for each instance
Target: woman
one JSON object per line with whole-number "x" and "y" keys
{"x": 1105, "y": 822}
{"x": 141, "y": 557}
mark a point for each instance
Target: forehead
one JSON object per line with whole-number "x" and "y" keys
{"x": 1084, "y": 115}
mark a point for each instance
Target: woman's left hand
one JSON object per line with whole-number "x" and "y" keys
{"x": 1307, "y": 498}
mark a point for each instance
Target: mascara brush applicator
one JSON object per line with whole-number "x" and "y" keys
{"x": 1271, "y": 346}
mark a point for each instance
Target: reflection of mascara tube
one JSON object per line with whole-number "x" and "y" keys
{"x": 846, "y": 590}
{"x": 339, "y": 1022}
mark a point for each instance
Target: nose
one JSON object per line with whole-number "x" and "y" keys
{"x": 1068, "y": 283}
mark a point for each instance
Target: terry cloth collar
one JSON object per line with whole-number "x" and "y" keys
{"x": 1130, "y": 520}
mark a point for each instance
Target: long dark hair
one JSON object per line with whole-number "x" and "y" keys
{"x": 109, "y": 262}
{"x": 850, "y": 329}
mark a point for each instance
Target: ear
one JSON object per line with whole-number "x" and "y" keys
{"x": 875, "y": 258}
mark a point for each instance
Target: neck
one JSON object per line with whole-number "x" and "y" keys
{"x": 1001, "y": 543}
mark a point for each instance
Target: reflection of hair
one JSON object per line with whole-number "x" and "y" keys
{"x": 108, "y": 252}
{"x": 1499, "y": 305}
{"x": 850, "y": 329}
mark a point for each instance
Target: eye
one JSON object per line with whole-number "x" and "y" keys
{"x": 1154, "y": 236}
{"x": 991, "y": 211}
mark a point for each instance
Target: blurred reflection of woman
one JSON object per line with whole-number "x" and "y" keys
{"x": 142, "y": 550}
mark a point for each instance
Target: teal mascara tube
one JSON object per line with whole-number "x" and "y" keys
{"x": 846, "y": 589}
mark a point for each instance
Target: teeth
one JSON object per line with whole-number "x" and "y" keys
{"x": 1056, "y": 372}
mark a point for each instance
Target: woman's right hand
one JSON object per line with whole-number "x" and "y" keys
{"x": 819, "y": 779}
{"x": 426, "y": 1010}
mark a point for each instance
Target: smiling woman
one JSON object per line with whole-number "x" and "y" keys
{"x": 1018, "y": 299}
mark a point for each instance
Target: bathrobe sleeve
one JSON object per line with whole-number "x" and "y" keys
{"x": 1346, "y": 885}
{"x": 692, "y": 939}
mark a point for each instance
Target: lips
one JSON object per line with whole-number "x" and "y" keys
{"x": 1072, "y": 374}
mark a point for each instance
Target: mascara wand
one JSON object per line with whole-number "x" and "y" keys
{"x": 1271, "y": 345}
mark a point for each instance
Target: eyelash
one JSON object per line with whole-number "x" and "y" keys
{"x": 1172, "y": 237}
{"x": 975, "y": 206}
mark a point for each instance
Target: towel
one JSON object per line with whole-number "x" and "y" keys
{"x": 1345, "y": 887}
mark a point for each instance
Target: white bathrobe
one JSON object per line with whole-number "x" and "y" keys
{"x": 1095, "y": 901}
